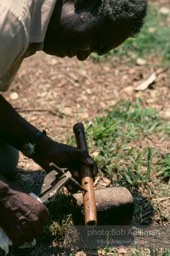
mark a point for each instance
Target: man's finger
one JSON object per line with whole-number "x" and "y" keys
{"x": 15, "y": 234}
{"x": 37, "y": 227}
{"x": 94, "y": 169}
{"x": 44, "y": 215}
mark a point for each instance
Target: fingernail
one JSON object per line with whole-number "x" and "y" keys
{"x": 89, "y": 160}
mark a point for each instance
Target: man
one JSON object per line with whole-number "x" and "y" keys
{"x": 61, "y": 28}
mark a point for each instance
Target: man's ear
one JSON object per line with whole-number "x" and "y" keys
{"x": 80, "y": 4}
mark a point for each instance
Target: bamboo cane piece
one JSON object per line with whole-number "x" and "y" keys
{"x": 90, "y": 210}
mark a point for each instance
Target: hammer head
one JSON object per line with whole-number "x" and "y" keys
{"x": 52, "y": 184}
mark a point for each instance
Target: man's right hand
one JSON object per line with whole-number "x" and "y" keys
{"x": 21, "y": 216}
{"x": 63, "y": 155}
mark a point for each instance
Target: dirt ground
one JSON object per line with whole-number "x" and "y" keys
{"x": 53, "y": 93}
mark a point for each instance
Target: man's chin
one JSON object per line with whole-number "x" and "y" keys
{"x": 82, "y": 58}
{"x": 54, "y": 53}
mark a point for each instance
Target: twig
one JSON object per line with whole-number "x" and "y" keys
{"x": 161, "y": 199}
{"x": 54, "y": 113}
{"x": 31, "y": 110}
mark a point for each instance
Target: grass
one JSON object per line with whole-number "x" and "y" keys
{"x": 121, "y": 142}
{"x": 165, "y": 172}
{"x": 153, "y": 39}
{"x": 125, "y": 144}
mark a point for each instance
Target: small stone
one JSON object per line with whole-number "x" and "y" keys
{"x": 88, "y": 91}
{"x": 84, "y": 115}
{"x": 128, "y": 89}
{"x": 67, "y": 111}
{"x": 122, "y": 250}
{"x": 105, "y": 182}
{"x": 151, "y": 30}
{"x": 141, "y": 62}
{"x": 166, "y": 113}
{"x": 53, "y": 61}
{"x": 164, "y": 10}
{"x": 14, "y": 96}
{"x": 95, "y": 154}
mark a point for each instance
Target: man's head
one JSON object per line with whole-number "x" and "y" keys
{"x": 79, "y": 27}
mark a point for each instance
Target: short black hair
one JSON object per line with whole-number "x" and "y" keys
{"x": 121, "y": 11}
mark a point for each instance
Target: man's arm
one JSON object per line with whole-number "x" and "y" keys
{"x": 16, "y": 131}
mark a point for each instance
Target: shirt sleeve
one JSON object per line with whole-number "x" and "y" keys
{"x": 13, "y": 44}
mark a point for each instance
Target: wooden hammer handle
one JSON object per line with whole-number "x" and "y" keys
{"x": 90, "y": 211}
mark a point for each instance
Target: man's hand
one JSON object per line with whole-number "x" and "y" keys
{"x": 21, "y": 216}
{"x": 15, "y": 130}
{"x": 62, "y": 155}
